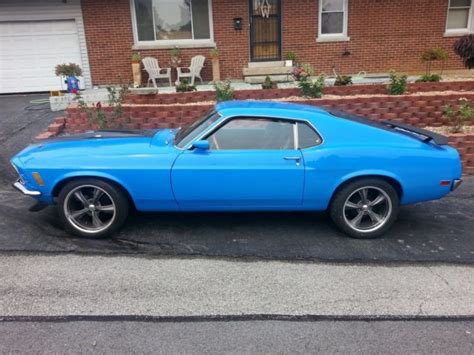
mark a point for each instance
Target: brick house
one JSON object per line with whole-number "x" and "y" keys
{"x": 350, "y": 35}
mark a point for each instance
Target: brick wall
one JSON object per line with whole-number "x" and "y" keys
{"x": 385, "y": 34}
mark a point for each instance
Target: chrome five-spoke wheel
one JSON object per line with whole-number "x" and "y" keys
{"x": 92, "y": 207}
{"x": 89, "y": 208}
{"x": 367, "y": 209}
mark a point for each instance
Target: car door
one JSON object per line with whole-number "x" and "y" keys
{"x": 251, "y": 164}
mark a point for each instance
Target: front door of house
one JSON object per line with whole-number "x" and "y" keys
{"x": 265, "y": 30}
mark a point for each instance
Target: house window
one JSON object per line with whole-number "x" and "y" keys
{"x": 459, "y": 15}
{"x": 172, "y": 21}
{"x": 332, "y": 20}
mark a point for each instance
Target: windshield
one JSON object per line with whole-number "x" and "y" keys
{"x": 187, "y": 134}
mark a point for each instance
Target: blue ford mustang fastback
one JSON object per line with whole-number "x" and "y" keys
{"x": 243, "y": 156}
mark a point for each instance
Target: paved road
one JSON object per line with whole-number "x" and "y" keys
{"x": 79, "y": 285}
{"x": 275, "y": 337}
{"x": 441, "y": 231}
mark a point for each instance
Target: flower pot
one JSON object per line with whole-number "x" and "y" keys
{"x": 137, "y": 74}
{"x": 288, "y": 63}
{"x": 216, "y": 69}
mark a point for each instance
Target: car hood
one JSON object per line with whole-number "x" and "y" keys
{"x": 100, "y": 143}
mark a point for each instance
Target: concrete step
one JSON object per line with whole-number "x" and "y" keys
{"x": 275, "y": 78}
{"x": 279, "y": 63}
{"x": 267, "y": 71}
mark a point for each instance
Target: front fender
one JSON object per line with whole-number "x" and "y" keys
{"x": 85, "y": 174}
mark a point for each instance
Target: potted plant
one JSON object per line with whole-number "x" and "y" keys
{"x": 137, "y": 74}
{"x": 216, "y": 70}
{"x": 175, "y": 55}
{"x": 291, "y": 59}
{"x": 70, "y": 71}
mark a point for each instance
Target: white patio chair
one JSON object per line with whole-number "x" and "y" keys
{"x": 154, "y": 71}
{"x": 194, "y": 71}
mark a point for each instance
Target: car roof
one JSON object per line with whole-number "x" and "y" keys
{"x": 268, "y": 108}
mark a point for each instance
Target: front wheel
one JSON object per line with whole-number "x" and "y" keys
{"x": 92, "y": 208}
{"x": 365, "y": 208}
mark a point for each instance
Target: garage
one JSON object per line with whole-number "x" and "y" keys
{"x": 34, "y": 38}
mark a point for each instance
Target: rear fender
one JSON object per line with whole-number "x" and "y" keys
{"x": 369, "y": 173}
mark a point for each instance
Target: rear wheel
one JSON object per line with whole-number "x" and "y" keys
{"x": 92, "y": 208}
{"x": 365, "y": 208}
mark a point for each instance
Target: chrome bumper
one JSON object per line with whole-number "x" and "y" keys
{"x": 456, "y": 184}
{"x": 20, "y": 187}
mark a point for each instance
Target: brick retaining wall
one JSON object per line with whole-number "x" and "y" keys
{"x": 419, "y": 110}
{"x": 257, "y": 94}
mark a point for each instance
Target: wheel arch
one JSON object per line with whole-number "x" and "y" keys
{"x": 389, "y": 178}
{"x": 60, "y": 183}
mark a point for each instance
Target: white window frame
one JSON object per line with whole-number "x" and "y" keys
{"x": 181, "y": 43}
{"x": 333, "y": 37}
{"x": 460, "y": 31}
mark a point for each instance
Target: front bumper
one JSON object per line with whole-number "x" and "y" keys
{"x": 20, "y": 187}
{"x": 456, "y": 184}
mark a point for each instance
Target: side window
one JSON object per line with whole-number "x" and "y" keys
{"x": 253, "y": 133}
{"x": 307, "y": 137}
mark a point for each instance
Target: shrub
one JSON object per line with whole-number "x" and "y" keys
{"x": 302, "y": 72}
{"x": 312, "y": 88}
{"x": 429, "y": 78}
{"x": 96, "y": 114}
{"x": 343, "y": 80}
{"x": 268, "y": 83}
{"x": 398, "y": 84}
{"x": 461, "y": 116}
{"x": 70, "y": 69}
{"x": 464, "y": 47}
{"x": 224, "y": 91}
{"x": 116, "y": 98}
{"x": 184, "y": 86}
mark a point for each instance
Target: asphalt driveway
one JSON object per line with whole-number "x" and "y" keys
{"x": 438, "y": 231}
{"x": 20, "y": 121}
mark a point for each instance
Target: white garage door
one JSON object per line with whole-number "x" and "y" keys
{"x": 29, "y": 51}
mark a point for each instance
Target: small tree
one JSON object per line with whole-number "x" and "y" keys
{"x": 434, "y": 54}
{"x": 464, "y": 47}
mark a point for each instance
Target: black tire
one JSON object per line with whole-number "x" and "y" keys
{"x": 345, "y": 211}
{"x": 84, "y": 204}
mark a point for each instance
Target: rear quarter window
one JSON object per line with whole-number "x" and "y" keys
{"x": 307, "y": 136}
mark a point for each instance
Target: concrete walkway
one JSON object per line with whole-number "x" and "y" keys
{"x": 79, "y": 285}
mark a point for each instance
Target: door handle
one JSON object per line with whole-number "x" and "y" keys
{"x": 296, "y": 159}
{"x": 292, "y": 158}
